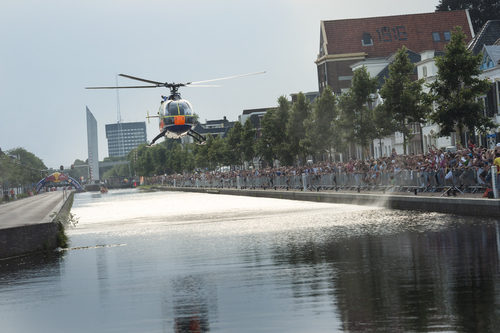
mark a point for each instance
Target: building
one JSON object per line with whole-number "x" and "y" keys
{"x": 373, "y": 40}
{"x": 310, "y": 96}
{"x": 123, "y": 137}
{"x": 218, "y": 127}
{"x": 93, "y": 147}
{"x": 487, "y": 41}
{"x": 255, "y": 114}
{"x": 346, "y": 45}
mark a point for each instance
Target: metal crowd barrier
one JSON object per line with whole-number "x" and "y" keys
{"x": 399, "y": 181}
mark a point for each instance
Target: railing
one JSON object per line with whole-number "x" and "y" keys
{"x": 466, "y": 180}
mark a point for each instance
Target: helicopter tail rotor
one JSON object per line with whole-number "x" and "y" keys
{"x": 148, "y": 116}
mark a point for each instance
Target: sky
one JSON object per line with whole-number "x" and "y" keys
{"x": 50, "y": 50}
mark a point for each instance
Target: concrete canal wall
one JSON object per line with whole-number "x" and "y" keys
{"x": 44, "y": 234}
{"x": 450, "y": 205}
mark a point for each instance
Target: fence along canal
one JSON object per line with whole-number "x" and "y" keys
{"x": 466, "y": 180}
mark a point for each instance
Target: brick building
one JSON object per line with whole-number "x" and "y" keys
{"x": 344, "y": 43}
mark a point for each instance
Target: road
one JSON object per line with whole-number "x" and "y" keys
{"x": 31, "y": 210}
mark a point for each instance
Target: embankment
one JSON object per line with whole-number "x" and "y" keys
{"x": 450, "y": 205}
{"x": 45, "y": 235}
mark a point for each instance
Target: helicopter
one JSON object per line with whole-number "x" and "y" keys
{"x": 176, "y": 117}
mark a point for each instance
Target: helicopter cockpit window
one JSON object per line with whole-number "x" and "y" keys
{"x": 181, "y": 108}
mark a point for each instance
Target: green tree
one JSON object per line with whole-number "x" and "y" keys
{"x": 295, "y": 129}
{"x": 19, "y": 167}
{"x": 117, "y": 171}
{"x": 142, "y": 160}
{"x": 264, "y": 147}
{"x": 457, "y": 88}
{"x": 480, "y": 11}
{"x": 403, "y": 97}
{"x": 201, "y": 154}
{"x": 79, "y": 169}
{"x": 319, "y": 129}
{"x": 28, "y": 168}
{"x": 159, "y": 157}
{"x": 274, "y": 142}
{"x": 356, "y": 115}
{"x": 384, "y": 124}
{"x": 247, "y": 143}
{"x": 234, "y": 146}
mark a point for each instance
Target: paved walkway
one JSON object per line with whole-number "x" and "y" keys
{"x": 31, "y": 210}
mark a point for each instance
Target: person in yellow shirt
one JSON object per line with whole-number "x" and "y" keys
{"x": 496, "y": 162}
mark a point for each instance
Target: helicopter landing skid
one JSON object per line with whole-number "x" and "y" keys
{"x": 162, "y": 133}
{"x": 197, "y": 137}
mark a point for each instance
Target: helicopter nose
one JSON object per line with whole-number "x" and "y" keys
{"x": 179, "y": 120}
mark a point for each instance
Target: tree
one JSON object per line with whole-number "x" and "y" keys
{"x": 79, "y": 169}
{"x": 234, "y": 146}
{"x": 384, "y": 124}
{"x": 117, "y": 171}
{"x": 295, "y": 128}
{"x": 403, "y": 97}
{"x": 319, "y": 130}
{"x": 142, "y": 161}
{"x": 480, "y": 11}
{"x": 457, "y": 88}
{"x": 274, "y": 143}
{"x": 248, "y": 141}
{"x": 201, "y": 155}
{"x": 21, "y": 167}
{"x": 356, "y": 117}
{"x": 159, "y": 157}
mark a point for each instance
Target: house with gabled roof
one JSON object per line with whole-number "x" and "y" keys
{"x": 488, "y": 35}
{"x": 487, "y": 42}
{"x": 490, "y": 67}
{"x": 344, "y": 43}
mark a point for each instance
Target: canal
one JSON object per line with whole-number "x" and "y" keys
{"x": 191, "y": 262}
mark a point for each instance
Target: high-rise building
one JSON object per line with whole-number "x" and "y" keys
{"x": 123, "y": 137}
{"x": 93, "y": 148}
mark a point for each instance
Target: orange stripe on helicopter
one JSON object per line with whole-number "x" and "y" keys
{"x": 179, "y": 120}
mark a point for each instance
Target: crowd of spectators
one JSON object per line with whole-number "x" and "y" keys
{"x": 467, "y": 166}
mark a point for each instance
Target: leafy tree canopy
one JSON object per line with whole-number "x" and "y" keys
{"x": 457, "y": 88}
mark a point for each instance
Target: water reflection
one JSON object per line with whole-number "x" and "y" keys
{"x": 408, "y": 281}
{"x": 232, "y": 264}
{"x": 192, "y": 301}
{"x": 16, "y": 274}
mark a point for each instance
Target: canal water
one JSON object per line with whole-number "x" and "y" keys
{"x": 191, "y": 262}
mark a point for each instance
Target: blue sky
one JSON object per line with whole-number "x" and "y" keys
{"x": 50, "y": 50}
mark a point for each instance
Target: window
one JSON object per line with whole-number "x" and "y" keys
{"x": 424, "y": 71}
{"x": 367, "y": 39}
{"x": 487, "y": 63}
{"x": 447, "y": 35}
{"x": 436, "y": 37}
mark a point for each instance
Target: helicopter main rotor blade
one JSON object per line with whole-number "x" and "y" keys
{"x": 159, "y": 84}
{"x": 122, "y": 87}
{"x": 202, "y": 86}
{"x": 225, "y": 78}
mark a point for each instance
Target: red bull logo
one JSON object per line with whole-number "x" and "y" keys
{"x": 56, "y": 177}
